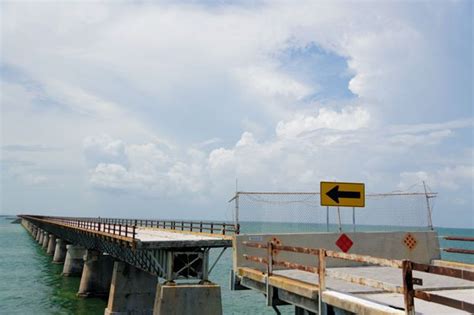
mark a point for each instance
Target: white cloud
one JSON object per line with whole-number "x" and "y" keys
{"x": 135, "y": 88}
{"x": 451, "y": 178}
{"x": 351, "y": 118}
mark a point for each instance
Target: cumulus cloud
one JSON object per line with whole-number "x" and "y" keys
{"x": 134, "y": 90}
{"x": 347, "y": 119}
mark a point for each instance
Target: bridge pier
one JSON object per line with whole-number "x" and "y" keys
{"x": 51, "y": 244}
{"x": 59, "y": 251}
{"x": 74, "y": 260}
{"x": 96, "y": 274}
{"x": 45, "y": 240}
{"x": 175, "y": 299}
{"x": 39, "y": 236}
{"x": 131, "y": 291}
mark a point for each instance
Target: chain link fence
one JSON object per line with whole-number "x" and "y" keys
{"x": 302, "y": 212}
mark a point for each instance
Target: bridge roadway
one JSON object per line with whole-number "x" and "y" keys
{"x": 126, "y": 258}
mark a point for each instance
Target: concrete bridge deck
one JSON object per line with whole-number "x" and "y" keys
{"x": 338, "y": 291}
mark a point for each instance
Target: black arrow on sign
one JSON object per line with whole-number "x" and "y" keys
{"x": 335, "y": 194}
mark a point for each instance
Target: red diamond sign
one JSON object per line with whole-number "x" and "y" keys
{"x": 344, "y": 243}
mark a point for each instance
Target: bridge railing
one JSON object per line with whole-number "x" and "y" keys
{"x": 408, "y": 291}
{"x": 457, "y": 250}
{"x": 128, "y": 227}
{"x": 118, "y": 229}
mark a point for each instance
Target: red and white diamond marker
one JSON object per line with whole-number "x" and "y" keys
{"x": 344, "y": 243}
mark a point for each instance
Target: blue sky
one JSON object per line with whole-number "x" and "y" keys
{"x": 154, "y": 109}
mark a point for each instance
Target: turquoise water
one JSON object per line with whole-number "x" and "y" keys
{"x": 30, "y": 283}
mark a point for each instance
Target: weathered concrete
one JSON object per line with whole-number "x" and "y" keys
{"x": 96, "y": 275}
{"x": 188, "y": 299}
{"x": 59, "y": 251}
{"x": 132, "y": 291}
{"x": 51, "y": 244}
{"x": 74, "y": 261}
{"x": 378, "y": 244}
{"x": 38, "y": 235}
{"x": 45, "y": 240}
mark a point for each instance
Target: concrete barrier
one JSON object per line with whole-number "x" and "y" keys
{"x": 379, "y": 244}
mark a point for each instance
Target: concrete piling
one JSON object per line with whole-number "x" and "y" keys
{"x": 96, "y": 274}
{"x": 131, "y": 291}
{"x": 74, "y": 260}
{"x": 59, "y": 251}
{"x": 45, "y": 240}
{"x": 51, "y": 244}
{"x": 172, "y": 299}
{"x": 38, "y": 235}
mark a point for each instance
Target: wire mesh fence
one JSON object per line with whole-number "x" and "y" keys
{"x": 301, "y": 211}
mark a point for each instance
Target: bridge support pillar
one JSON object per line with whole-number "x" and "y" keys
{"x": 74, "y": 260}
{"x": 59, "y": 251}
{"x": 96, "y": 275}
{"x": 51, "y": 244}
{"x": 188, "y": 299}
{"x": 45, "y": 240}
{"x": 39, "y": 236}
{"x": 132, "y": 291}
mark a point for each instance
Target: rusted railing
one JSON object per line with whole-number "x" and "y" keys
{"x": 128, "y": 227}
{"x": 270, "y": 262}
{"x": 459, "y": 250}
{"x": 410, "y": 266}
{"x": 409, "y": 293}
{"x": 117, "y": 229}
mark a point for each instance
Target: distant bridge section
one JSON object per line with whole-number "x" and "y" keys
{"x": 125, "y": 258}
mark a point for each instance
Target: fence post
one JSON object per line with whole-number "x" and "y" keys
{"x": 321, "y": 277}
{"x": 408, "y": 292}
{"x": 268, "y": 288}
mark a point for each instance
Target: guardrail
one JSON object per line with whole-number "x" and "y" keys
{"x": 409, "y": 293}
{"x": 459, "y": 250}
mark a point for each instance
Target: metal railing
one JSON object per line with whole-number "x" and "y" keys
{"x": 128, "y": 227}
{"x": 98, "y": 225}
{"x": 409, "y": 293}
{"x": 459, "y": 250}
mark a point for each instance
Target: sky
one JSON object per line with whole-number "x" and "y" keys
{"x": 154, "y": 109}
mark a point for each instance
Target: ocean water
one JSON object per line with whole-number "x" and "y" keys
{"x": 31, "y": 284}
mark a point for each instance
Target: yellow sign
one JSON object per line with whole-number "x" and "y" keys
{"x": 342, "y": 194}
